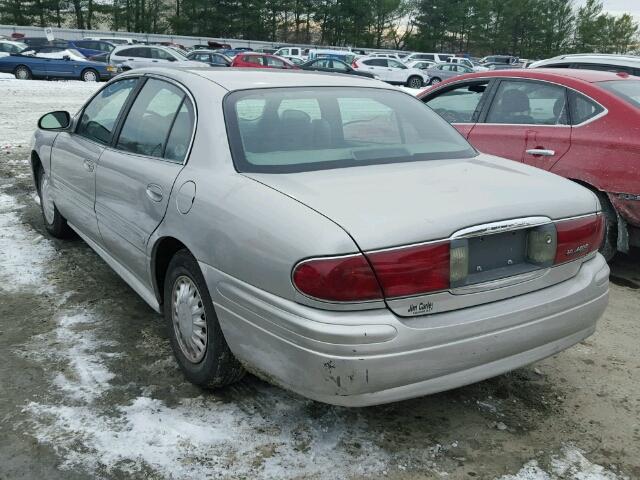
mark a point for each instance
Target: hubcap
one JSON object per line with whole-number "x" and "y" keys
{"x": 435, "y": 80}
{"x": 90, "y": 76}
{"x": 189, "y": 320}
{"x": 48, "y": 207}
{"x": 22, "y": 74}
{"x": 415, "y": 83}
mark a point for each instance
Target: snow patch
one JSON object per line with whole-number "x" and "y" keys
{"x": 571, "y": 464}
{"x": 24, "y": 253}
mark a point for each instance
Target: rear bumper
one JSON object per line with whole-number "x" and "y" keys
{"x": 371, "y": 357}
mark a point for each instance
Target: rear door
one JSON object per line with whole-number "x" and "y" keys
{"x": 460, "y": 104}
{"x": 136, "y": 174}
{"x": 526, "y": 121}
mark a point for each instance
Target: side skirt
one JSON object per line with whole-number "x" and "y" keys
{"x": 141, "y": 289}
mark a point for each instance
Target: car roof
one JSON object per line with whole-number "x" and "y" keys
{"x": 233, "y": 79}
{"x": 589, "y": 76}
{"x": 607, "y": 59}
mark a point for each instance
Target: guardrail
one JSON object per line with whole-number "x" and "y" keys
{"x": 187, "y": 41}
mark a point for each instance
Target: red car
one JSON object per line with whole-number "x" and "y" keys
{"x": 261, "y": 60}
{"x": 581, "y": 124}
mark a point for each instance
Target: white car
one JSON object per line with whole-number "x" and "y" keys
{"x": 115, "y": 40}
{"x": 393, "y": 71}
{"x": 7, "y": 47}
{"x": 593, "y": 61}
{"x": 141, "y": 56}
{"x": 291, "y": 52}
{"x": 433, "y": 57}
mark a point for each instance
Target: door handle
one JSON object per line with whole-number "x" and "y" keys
{"x": 541, "y": 152}
{"x": 88, "y": 165}
{"x": 154, "y": 192}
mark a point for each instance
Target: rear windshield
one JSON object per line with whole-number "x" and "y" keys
{"x": 284, "y": 130}
{"x": 628, "y": 90}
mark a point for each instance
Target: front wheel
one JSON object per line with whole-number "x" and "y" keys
{"x": 194, "y": 331}
{"x": 414, "y": 82}
{"x": 434, "y": 81}
{"x": 23, "y": 73}
{"x": 90, "y": 75}
{"x": 54, "y": 222}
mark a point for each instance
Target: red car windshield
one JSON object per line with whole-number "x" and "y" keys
{"x": 628, "y": 90}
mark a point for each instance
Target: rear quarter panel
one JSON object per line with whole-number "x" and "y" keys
{"x": 606, "y": 155}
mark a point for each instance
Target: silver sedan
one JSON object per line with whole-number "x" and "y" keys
{"x": 332, "y": 235}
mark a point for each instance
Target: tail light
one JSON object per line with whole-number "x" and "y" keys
{"x": 436, "y": 266}
{"x": 578, "y": 237}
{"x": 339, "y": 279}
{"x": 354, "y": 64}
{"x": 412, "y": 270}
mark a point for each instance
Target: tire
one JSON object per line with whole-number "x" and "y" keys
{"x": 609, "y": 246}
{"x": 23, "y": 73}
{"x": 434, "y": 81}
{"x": 414, "y": 82}
{"x": 53, "y": 220}
{"x": 213, "y": 365}
{"x": 90, "y": 75}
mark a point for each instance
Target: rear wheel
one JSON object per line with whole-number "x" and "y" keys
{"x": 609, "y": 246}
{"x": 90, "y": 75}
{"x": 194, "y": 331}
{"x": 22, "y": 73}
{"x": 434, "y": 81}
{"x": 414, "y": 82}
{"x": 54, "y": 222}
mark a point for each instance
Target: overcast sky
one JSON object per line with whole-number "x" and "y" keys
{"x": 617, "y": 7}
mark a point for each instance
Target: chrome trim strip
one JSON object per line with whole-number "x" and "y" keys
{"x": 500, "y": 227}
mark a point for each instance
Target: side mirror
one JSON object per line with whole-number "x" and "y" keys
{"x": 66, "y": 57}
{"x": 54, "y": 121}
{"x": 171, "y": 59}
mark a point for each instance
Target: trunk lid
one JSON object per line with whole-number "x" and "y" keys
{"x": 398, "y": 204}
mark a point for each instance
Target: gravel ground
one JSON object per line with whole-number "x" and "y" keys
{"x": 89, "y": 387}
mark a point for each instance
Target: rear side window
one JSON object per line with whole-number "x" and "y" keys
{"x": 134, "y": 52}
{"x": 283, "y": 130}
{"x": 158, "y": 104}
{"x": 627, "y": 90}
{"x": 376, "y": 62}
{"x": 528, "y": 103}
{"x": 99, "y": 117}
{"x": 582, "y": 108}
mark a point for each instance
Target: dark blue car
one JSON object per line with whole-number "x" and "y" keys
{"x": 25, "y": 67}
{"x": 90, "y": 48}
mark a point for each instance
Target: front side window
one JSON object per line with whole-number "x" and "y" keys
{"x": 284, "y": 130}
{"x": 395, "y": 64}
{"x": 161, "y": 55}
{"x": 274, "y": 62}
{"x": 530, "y": 103}
{"x": 458, "y": 104}
{"x": 627, "y": 90}
{"x": 322, "y": 63}
{"x": 376, "y": 62}
{"x": 339, "y": 66}
{"x": 99, "y": 117}
{"x": 150, "y": 119}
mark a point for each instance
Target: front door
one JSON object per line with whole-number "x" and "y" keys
{"x": 136, "y": 173}
{"x": 527, "y": 121}
{"x": 459, "y": 104}
{"x": 75, "y": 156}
